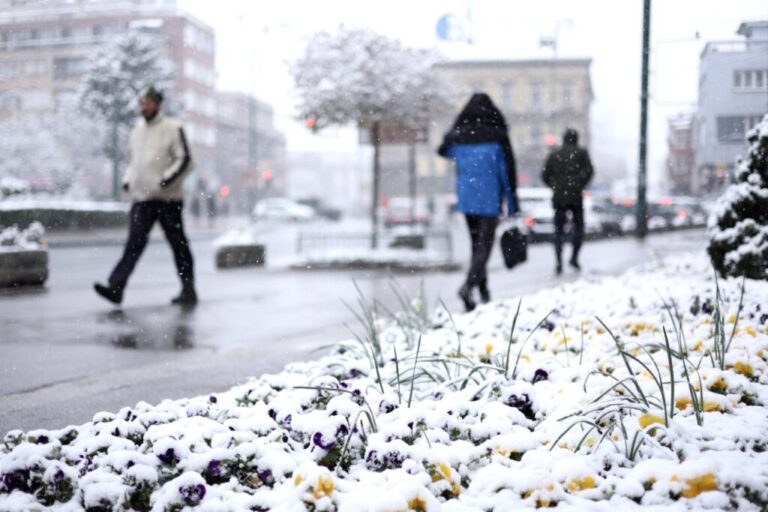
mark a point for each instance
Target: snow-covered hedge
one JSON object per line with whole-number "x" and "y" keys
{"x": 738, "y": 230}
{"x": 58, "y": 215}
{"x": 444, "y": 413}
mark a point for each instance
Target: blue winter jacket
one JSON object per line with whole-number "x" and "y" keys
{"x": 481, "y": 178}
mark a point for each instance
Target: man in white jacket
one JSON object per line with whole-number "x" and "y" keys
{"x": 159, "y": 161}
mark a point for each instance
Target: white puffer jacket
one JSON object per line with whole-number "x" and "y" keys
{"x": 159, "y": 160}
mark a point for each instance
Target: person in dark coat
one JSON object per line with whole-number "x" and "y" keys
{"x": 568, "y": 171}
{"x": 479, "y": 144}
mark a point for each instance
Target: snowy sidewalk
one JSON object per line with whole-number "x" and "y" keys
{"x": 446, "y": 414}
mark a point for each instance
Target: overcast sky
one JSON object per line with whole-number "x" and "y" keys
{"x": 256, "y": 41}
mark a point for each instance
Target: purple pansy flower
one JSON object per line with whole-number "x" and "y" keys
{"x": 319, "y": 440}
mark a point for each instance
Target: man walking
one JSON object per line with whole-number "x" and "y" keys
{"x": 159, "y": 161}
{"x": 567, "y": 172}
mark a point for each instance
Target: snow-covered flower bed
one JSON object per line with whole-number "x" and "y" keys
{"x": 30, "y": 239}
{"x": 660, "y": 402}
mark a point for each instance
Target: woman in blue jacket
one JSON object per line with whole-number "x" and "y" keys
{"x": 479, "y": 144}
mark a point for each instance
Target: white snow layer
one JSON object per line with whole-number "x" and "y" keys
{"x": 443, "y": 413}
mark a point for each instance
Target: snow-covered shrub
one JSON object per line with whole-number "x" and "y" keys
{"x": 30, "y": 238}
{"x": 738, "y": 229}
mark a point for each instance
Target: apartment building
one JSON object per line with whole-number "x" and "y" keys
{"x": 733, "y": 97}
{"x": 250, "y": 152}
{"x": 45, "y": 46}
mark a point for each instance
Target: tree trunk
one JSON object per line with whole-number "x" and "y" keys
{"x": 376, "y": 140}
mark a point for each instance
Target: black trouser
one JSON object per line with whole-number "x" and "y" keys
{"x": 482, "y": 231}
{"x": 577, "y": 211}
{"x": 143, "y": 216}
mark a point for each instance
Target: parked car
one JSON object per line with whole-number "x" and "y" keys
{"x": 282, "y": 208}
{"x": 398, "y": 212}
{"x": 538, "y": 215}
{"x": 322, "y": 209}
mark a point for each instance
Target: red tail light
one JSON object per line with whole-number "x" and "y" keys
{"x": 529, "y": 221}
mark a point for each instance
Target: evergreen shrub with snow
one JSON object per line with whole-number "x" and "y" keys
{"x": 738, "y": 229}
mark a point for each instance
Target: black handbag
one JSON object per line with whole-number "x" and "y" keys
{"x": 514, "y": 246}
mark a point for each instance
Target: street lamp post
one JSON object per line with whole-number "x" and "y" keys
{"x": 642, "y": 206}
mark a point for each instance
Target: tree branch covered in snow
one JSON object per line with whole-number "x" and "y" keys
{"x": 118, "y": 74}
{"x": 53, "y": 154}
{"x": 357, "y": 76}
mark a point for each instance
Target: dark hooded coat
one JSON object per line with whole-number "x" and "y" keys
{"x": 480, "y": 123}
{"x": 568, "y": 171}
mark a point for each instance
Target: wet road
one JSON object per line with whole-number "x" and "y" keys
{"x": 66, "y": 354}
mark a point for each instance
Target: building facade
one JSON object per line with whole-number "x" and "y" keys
{"x": 733, "y": 97}
{"x": 250, "y": 152}
{"x": 45, "y": 46}
{"x": 680, "y": 159}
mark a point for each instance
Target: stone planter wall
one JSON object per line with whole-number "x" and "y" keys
{"x": 230, "y": 256}
{"x": 23, "y": 268}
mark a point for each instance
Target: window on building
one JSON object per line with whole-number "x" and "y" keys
{"x": 750, "y": 80}
{"x": 535, "y": 135}
{"x": 37, "y": 67}
{"x": 69, "y": 67}
{"x": 731, "y": 128}
{"x": 506, "y": 95}
{"x": 9, "y": 69}
{"x": 536, "y": 94}
{"x": 567, "y": 94}
{"x": 35, "y": 100}
{"x": 753, "y": 121}
{"x": 10, "y": 102}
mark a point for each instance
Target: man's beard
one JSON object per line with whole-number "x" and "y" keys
{"x": 149, "y": 117}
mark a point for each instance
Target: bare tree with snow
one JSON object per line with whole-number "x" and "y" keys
{"x": 366, "y": 79}
{"x": 119, "y": 72}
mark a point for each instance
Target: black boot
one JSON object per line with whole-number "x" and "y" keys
{"x": 112, "y": 294}
{"x": 575, "y": 263}
{"x": 187, "y": 297}
{"x": 485, "y": 294}
{"x": 559, "y": 267}
{"x": 465, "y": 293}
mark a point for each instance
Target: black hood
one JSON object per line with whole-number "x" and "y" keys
{"x": 479, "y": 121}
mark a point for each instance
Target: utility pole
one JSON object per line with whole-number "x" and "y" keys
{"x": 642, "y": 205}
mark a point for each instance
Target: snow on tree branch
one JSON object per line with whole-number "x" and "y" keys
{"x": 357, "y": 76}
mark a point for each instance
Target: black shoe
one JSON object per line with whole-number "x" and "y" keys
{"x": 485, "y": 294}
{"x": 113, "y": 295}
{"x": 185, "y": 298}
{"x": 559, "y": 268}
{"x": 465, "y": 293}
{"x": 575, "y": 264}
